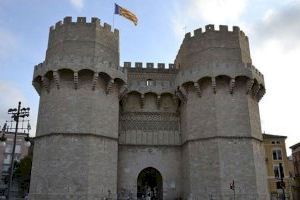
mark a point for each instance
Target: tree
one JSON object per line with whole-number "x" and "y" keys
{"x": 22, "y": 173}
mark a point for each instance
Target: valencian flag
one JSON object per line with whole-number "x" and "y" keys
{"x": 125, "y": 13}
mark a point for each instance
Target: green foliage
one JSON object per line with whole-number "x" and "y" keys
{"x": 22, "y": 173}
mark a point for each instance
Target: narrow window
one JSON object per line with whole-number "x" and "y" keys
{"x": 277, "y": 155}
{"x": 149, "y": 82}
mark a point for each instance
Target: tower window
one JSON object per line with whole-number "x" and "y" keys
{"x": 149, "y": 82}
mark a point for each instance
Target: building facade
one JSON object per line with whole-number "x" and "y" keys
{"x": 182, "y": 131}
{"x": 21, "y": 151}
{"x": 275, "y": 151}
{"x": 296, "y": 164}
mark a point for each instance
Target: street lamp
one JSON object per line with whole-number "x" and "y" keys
{"x": 15, "y": 113}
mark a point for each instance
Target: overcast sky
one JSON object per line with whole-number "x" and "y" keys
{"x": 273, "y": 27}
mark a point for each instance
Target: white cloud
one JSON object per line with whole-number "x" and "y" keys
{"x": 216, "y": 11}
{"x": 276, "y": 54}
{"x": 78, "y": 4}
{"x": 282, "y": 25}
{"x": 199, "y": 12}
{"x": 280, "y": 106}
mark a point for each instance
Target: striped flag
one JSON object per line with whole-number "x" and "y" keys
{"x": 126, "y": 13}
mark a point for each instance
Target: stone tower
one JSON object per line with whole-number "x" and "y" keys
{"x": 183, "y": 131}
{"x": 220, "y": 124}
{"x": 76, "y": 145}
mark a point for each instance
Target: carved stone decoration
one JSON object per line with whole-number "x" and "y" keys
{"x": 183, "y": 93}
{"x": 175, "y": 99}
{"x": 150, "y": 121}
{"x": 256, "y": 90}
{"x": 123, "y": 99}
{"x": 109, "y": 86}
{"x": 214, "y": 84}
{"x": 45, "y": 83}
{"x": 231, "y": 85}
{"x": 261, "y": 93}
{"x": 250, "y": 84}
{"x": 142, "y": 100}
{"x": 180, "y": 96}
{"x": 95, "y": 79}
{"x": 56, "y": 79}
{"x": 123, "y": 91}
{"x": 198, "y": 89}
{"x": 158, "y": 101}
{"x": 75, "y": 80}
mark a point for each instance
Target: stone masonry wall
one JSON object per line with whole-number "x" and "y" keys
{"x": 166, "y": 159}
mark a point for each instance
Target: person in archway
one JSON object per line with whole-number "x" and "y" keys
{"x": 148, "y": 193}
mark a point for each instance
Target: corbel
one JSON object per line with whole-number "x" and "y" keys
{"x": 180, "y": 95}
{"x": 45, "y": 83}
{"x": 250, "y": 84}
{"x": 158, "y": 101}
{"x": 56, "y": 79}
{"x": 261, "y": 93}
{"x": 109, "y": 86}
{"x": 183, "y": 92}
{"x": 95, "y": 79}
{"x": 231, "y": 85}
{"x": 123, "y": 91}
{"x": 75, "y": 80}
{"x": 175, "y": 98}
{"x": 214, "y": 84}
{"x": 198, "y": 89}
{"x": 123, "y": 99}
{"x": 142, "y": 100}
{"x": 255, "y": 92}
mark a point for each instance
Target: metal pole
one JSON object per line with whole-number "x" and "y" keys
{"x": 16, "y": 118}
{"x": 233, "y": 194}
{"x": 283, "y": 190}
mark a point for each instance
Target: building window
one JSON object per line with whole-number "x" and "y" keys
{"x": 5, "y": 168}
{"x": 8, "y": 148}
{"x": 7, "y": 159}
{"x": 18, "y": 148}
{"x": 149, "y": 82}
{"x": 277, "y": 154}
{"x": 277, "y": 172}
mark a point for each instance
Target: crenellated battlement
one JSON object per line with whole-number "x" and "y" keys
{"x": 210, "y": 28}
{"x": 159, "y": 67}
{"x": 82, "y": 38}
{"x": 212, "y": 45}
{"x": 95, "y": 23}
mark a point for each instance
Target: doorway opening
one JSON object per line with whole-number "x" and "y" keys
{"x": 149, "y": 184}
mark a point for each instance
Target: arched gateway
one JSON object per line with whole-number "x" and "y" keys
{"x": 149, "y": 184}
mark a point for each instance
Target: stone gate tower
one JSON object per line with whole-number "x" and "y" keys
{"x": 183, "y": 131}
{"x": 76, "y": 146}
{"x": 220, "y": 123}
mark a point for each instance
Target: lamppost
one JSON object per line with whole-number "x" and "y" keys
{"x": 15, "y": 113}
